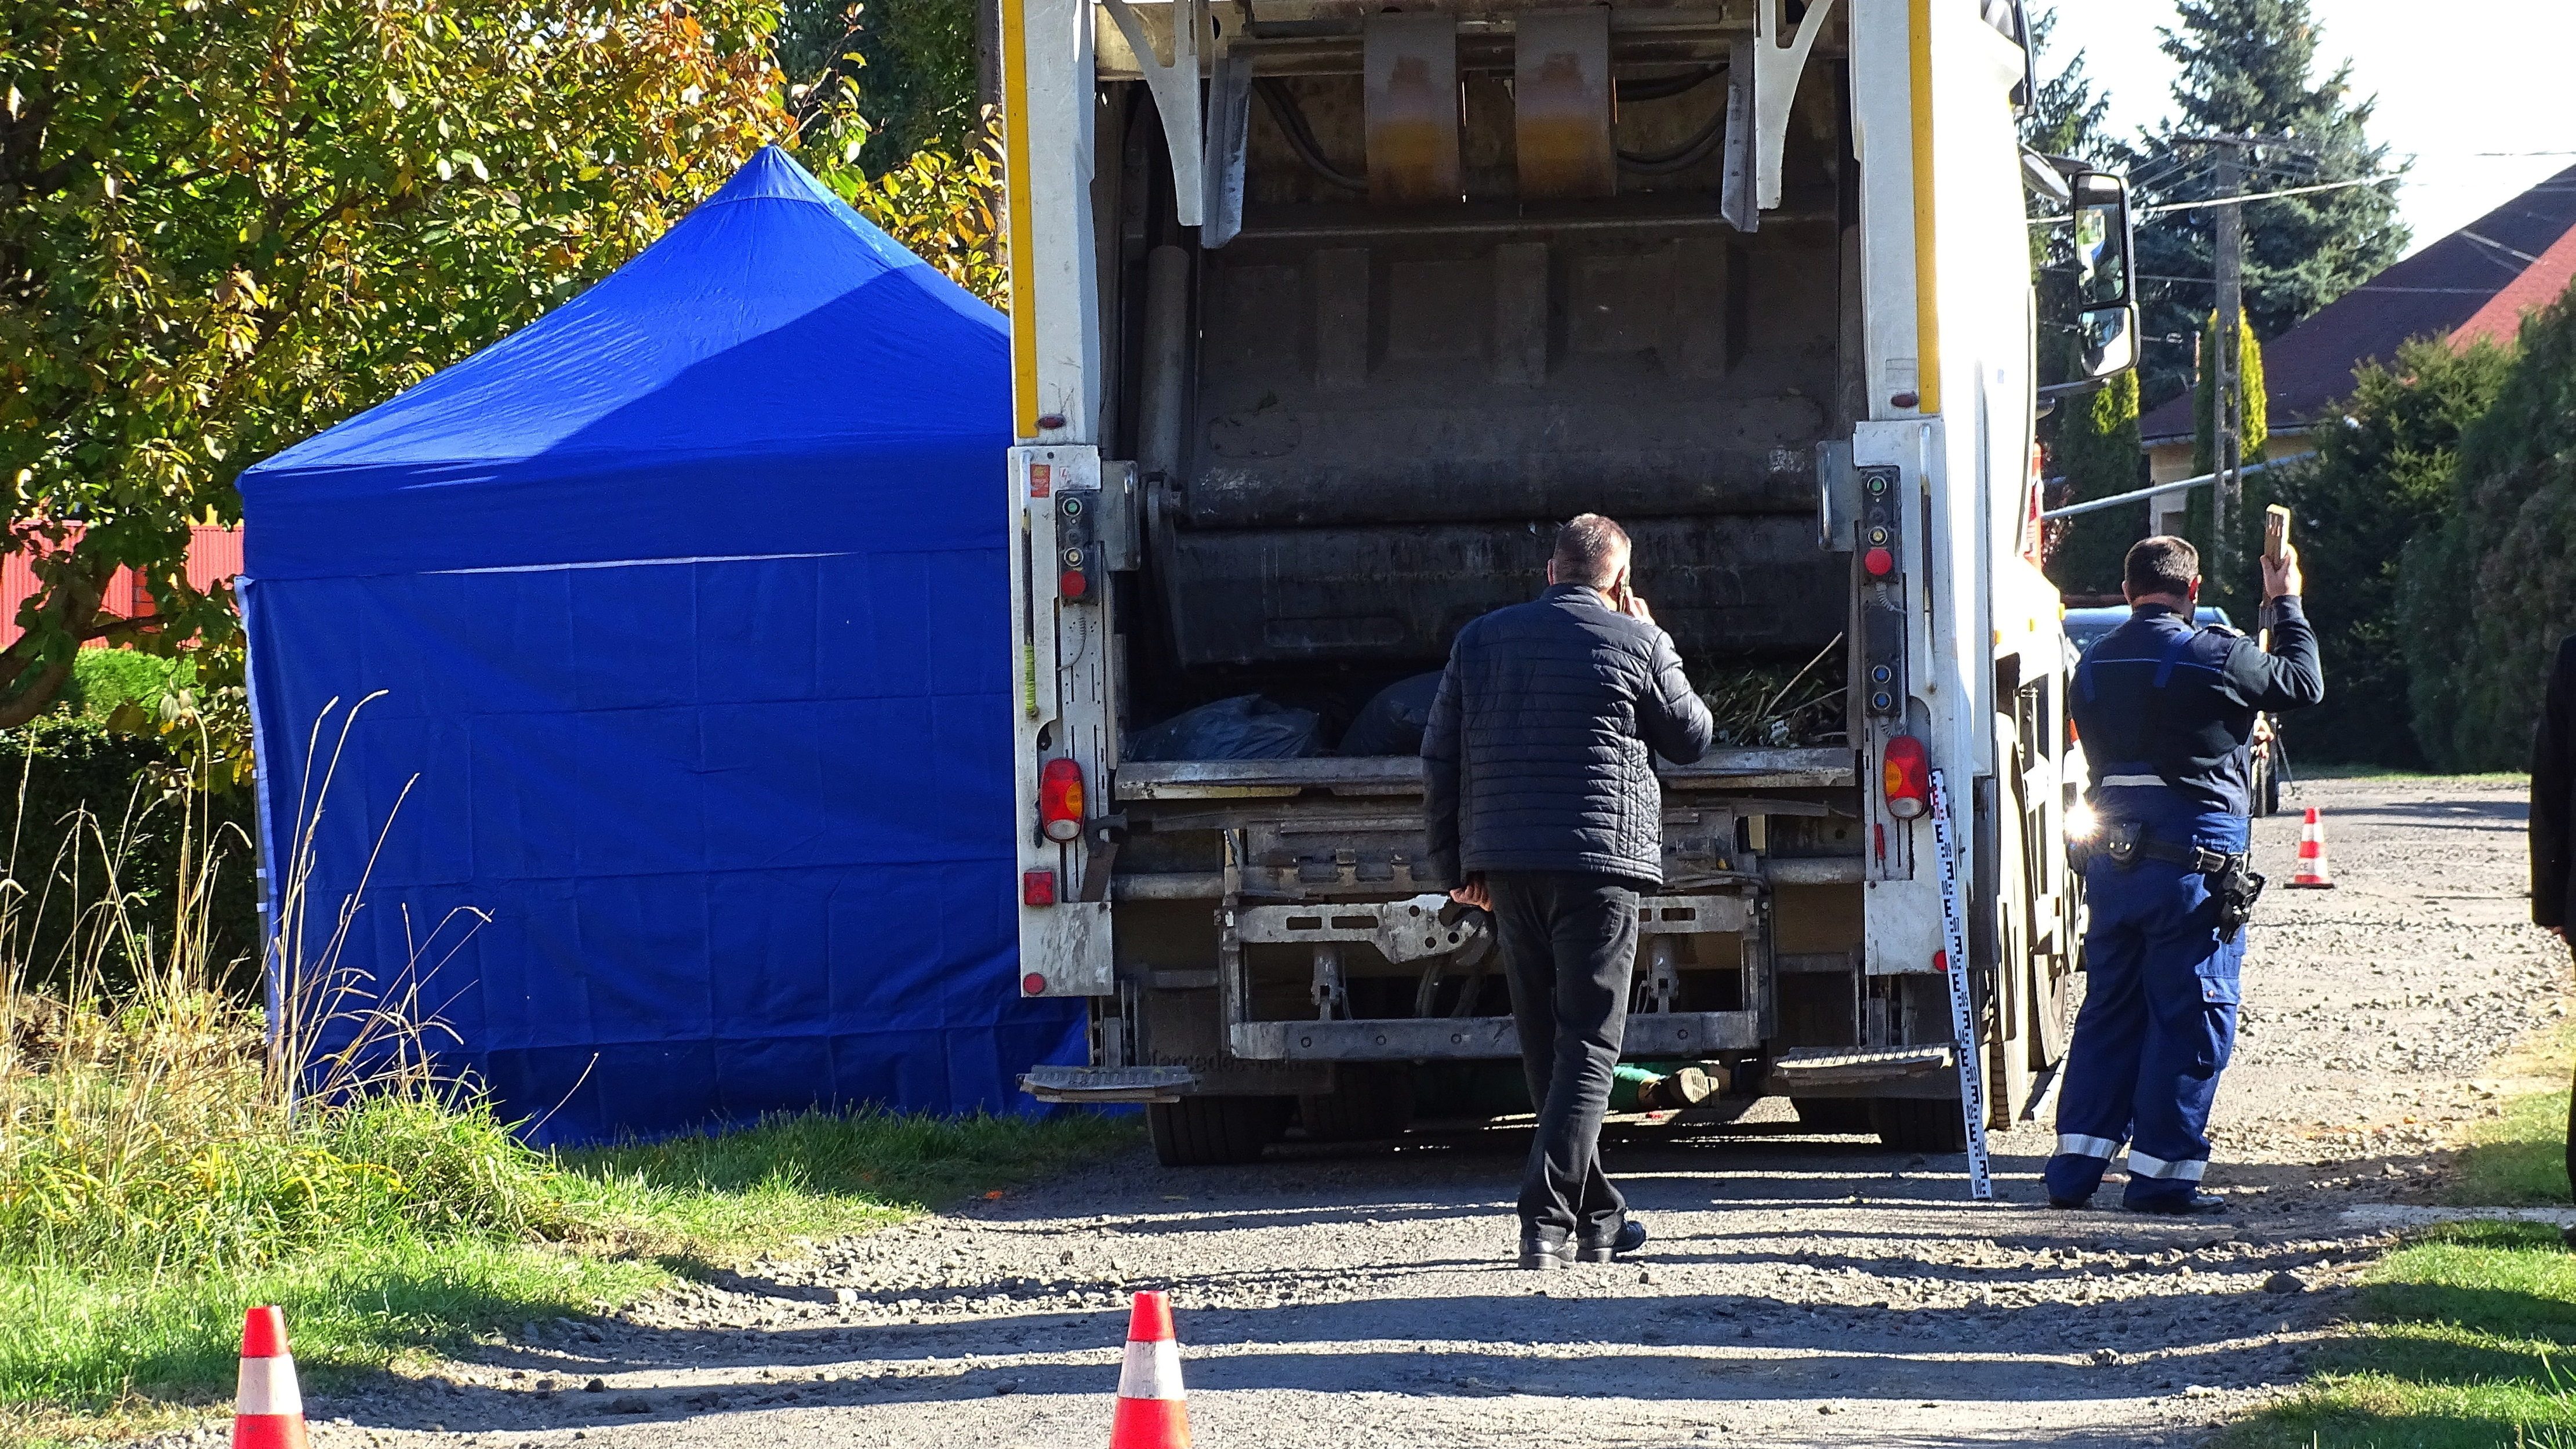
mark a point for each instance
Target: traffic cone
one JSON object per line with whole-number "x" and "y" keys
{"x": 1152, "y": 1411}
{"x": 268, "y": 1410}
{"x": 2313, "y": 874}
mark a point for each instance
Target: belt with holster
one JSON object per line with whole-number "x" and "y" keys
{"x": 2232, "y": 879}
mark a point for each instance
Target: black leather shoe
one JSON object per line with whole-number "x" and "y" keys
{"x": 1630, "y": 1237}
{"x": 2069, "y": 1204}
{"x": 1546, "y": 1248}
{"x": 2189, "y": 1205}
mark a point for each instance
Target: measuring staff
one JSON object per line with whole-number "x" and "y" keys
{"x": 2166, "y": 712}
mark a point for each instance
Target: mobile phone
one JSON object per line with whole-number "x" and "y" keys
{"x": 2276, "y": 532}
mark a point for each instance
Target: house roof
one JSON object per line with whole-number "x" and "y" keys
{"x": 2476, "y": 282}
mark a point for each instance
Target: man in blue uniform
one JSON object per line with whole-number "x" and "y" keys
{"x": 2166, "y": 713}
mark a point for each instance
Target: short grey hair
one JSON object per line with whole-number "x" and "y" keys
{"x": 1589, "y": 550}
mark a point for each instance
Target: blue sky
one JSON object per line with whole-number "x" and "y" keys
{"x": 2454, "y": 80}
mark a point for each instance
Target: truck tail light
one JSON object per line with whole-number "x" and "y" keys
{"x": 1060, "y": 800}
{"x": 1906, "y": 778}
{"x": 1037, "y": 888}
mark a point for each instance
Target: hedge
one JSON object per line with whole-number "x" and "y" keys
{"x": 79, "y": 795}
{"x": 2484, "y": 599}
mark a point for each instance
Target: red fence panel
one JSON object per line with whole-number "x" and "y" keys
{"x": 214, "y": 556}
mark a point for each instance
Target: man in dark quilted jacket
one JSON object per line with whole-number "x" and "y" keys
{"x": 1542, "y": 804}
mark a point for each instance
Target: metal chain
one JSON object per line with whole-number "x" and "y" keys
{"x": 1963, "y": 1021}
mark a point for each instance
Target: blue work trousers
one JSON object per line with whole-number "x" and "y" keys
{"x": 2159, "y": 1018}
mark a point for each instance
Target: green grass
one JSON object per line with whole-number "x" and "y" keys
{"x": 2518, "y": 1159}
{"x": 158, "y": 1177}
{"x": 2466, "y": 1336}
{"x": 99, "y": 1343}
{"x": 2463, "y": 1339}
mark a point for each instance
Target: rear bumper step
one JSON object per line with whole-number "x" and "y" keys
{"x": 1929, "y": 1070}
{"x": 1108, "y": 1084}
{"x": 1650, "y": 1034}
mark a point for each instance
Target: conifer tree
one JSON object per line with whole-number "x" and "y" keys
{"x": 2097, "y": 454}
{"x": 2249, "y": 67}
{"x": 2254, "y": 430}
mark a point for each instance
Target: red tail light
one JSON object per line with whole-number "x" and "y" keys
{"x": 1060, "y": 800}
{"x": 1906, "y": 778}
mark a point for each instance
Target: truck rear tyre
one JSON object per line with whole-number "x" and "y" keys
{"x": 1214, "y": 1131}
{"x": 1917, "y": 1124}
{"x": 1846, "y": 1115}
{"x": 1370, "y": 1104}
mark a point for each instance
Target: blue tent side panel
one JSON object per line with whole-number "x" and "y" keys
{"x": 668, "y": 843}
{"x": 668, "y": 766}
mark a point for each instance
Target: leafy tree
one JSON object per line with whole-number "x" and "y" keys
{"x": 2485, "y": 597}
{"x": 224, "y": 227}
{"x": 940, "y": 204}
{"x": 886, "y": 117}
{"x": 905, "y": 72}
{"x": 2381, "y": 475}
{"x": 2098, "y": 455}
{"x": 2248, "y": 67}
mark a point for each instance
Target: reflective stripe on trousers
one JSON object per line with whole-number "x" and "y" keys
{"x": 2142, "y": 1165}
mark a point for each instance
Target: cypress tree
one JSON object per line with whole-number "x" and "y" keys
{"x": 2254, "y": 412}
{"x": 2249, "y": 68}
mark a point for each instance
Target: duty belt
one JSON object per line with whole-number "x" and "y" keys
{"x": 2198, "y": 857}
{"x": 2232, "y": 881}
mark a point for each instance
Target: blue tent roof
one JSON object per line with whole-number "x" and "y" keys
{"x": 682, "y": 787}
{"x": 772, "y": 325}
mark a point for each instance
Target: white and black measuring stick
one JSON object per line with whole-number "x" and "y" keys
{"x": 1963, "y": 1019}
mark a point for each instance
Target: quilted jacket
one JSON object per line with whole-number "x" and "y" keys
{"x": 1540, "y": 751}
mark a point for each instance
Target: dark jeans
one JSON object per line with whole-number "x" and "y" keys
{"x": 2571, "y": 1109}
{"x": 1569, "y": 944}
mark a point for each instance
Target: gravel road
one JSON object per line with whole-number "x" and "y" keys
{"x": 1799, "y": 1290}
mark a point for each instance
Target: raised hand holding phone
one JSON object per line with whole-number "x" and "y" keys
{"x": 1624, "y": 599}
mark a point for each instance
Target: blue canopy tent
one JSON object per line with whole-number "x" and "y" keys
{"x": 684, "y": 616}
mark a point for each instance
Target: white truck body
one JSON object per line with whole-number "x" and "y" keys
{"x": 1271, "y": 391}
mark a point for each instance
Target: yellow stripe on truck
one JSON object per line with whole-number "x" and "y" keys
{"x": 1015, "y": 201}
{"x": 1927, "y": 270}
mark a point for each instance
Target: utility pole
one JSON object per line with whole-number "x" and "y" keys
{"x": 2227, "y": 388}
{"x": 2227, "y": 421}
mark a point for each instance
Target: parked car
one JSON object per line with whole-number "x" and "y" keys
{"x": 2085, "y": 628}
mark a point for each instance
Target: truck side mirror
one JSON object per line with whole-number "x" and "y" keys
{"x": 2103, "y": 241}
{"x": 2104, "y": 248}
{"x": 2110, "y": 340}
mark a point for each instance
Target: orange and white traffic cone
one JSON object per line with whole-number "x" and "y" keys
{"x": 1153, "y": 1413}
{"x": 2313, "y": 874}
{"x": 268, "y": 1410}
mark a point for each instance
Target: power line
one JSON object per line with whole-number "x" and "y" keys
{"x": 2265, "y": 195}
{"x": 2174, "y": 206}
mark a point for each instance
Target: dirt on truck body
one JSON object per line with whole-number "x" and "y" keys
{"x": 1326, "y": 319}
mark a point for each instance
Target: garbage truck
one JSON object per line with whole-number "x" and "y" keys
{"x": 1324, "y": 315}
